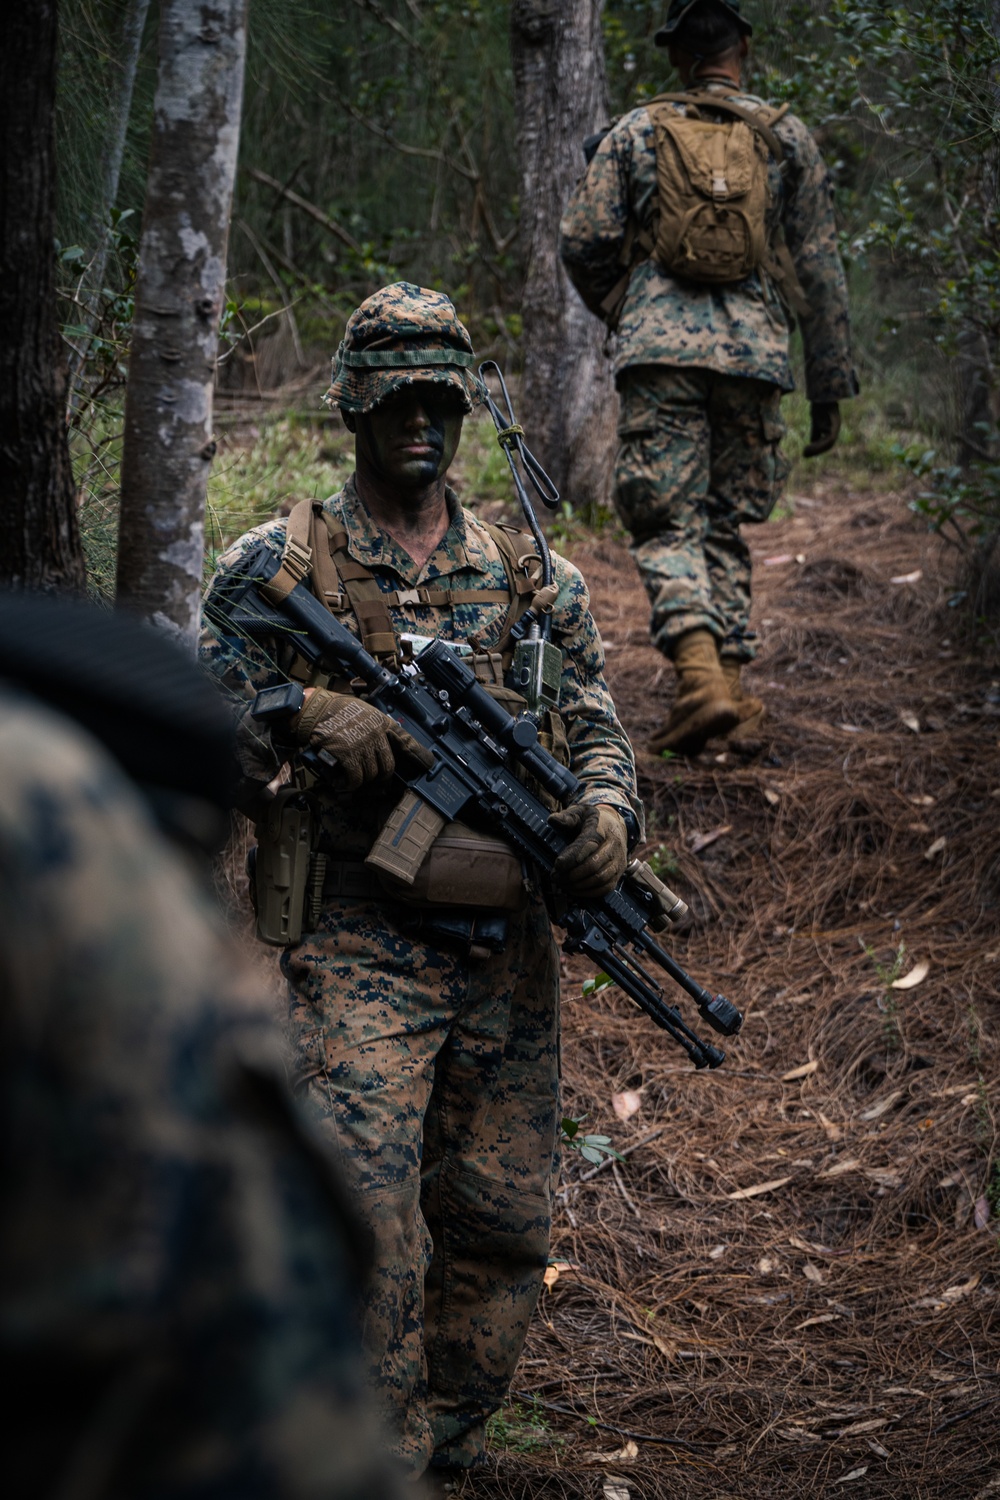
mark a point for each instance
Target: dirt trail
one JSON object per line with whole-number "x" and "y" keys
{"x": 795, "y": 1281}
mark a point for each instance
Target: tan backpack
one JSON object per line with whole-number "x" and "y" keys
{"x": 713, "y": 197}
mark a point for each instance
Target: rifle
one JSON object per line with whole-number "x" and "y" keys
{"x": 475, "y": 745}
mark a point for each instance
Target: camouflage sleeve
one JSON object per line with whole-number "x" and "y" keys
{"x": 593, "y": 228}
{"x": 175, "y": 1297}
{"x": 811, "y": 235}
{"x": 241, "y": 668}
{"x": 600, "y": 753}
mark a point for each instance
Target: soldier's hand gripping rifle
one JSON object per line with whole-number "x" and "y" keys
{"x": 474, "y": 745}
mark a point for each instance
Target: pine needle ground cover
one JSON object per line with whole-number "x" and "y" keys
{"x": 788, "y": 1287}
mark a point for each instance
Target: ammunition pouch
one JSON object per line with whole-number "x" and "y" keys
{"x": 449, "y": 864}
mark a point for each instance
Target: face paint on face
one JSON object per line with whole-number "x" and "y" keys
{"x": 411, "y": 438}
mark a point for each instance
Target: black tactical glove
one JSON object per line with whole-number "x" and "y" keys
{"x": 825, "y": 428}
{"x": 363, "y": 740}
{"x": 597, "y": 858}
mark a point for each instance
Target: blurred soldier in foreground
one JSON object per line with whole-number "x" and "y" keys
{"x": 176, "y": 1312}
{"x": 703, "y": 224}
{"x": 426, "y": 1014}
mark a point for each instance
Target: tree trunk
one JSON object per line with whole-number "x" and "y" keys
{"x": 39, "y": 536}
{"x": 561, "y": 96}
{"x": 179, "y": 297}
{"x": 120, "y": 107}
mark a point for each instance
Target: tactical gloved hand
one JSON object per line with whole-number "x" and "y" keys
{"x": 825, "y": 428}
{"x": 597, "y": 858}
{"x": 364, "y": 740}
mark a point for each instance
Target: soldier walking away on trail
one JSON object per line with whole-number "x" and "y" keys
{"x": 427, "y": 1031}
{"x": 704, "y": 223}
{"x": 177, "y": 1311}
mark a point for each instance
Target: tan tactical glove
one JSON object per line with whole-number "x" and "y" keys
{"x": 597, "y": 858}
{"x": 363, "y": 740}
{"x": 825, "y": 428}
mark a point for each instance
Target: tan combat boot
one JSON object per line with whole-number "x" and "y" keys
{"x": 703, "y": 706}
{"x": 747, "y": 731}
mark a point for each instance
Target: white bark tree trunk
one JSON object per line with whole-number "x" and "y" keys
{"x": 569, "y": 407}
{"x": 179, "y": 298}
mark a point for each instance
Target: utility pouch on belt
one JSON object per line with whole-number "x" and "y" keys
{"x": 460, "y": 867}
{"x": 281, "y": 869}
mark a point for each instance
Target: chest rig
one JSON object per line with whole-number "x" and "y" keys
{"x": 316, "y": 548}
{"x": 454, "y": 883}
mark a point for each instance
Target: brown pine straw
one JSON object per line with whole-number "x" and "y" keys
{"x": 837, "y": 1333}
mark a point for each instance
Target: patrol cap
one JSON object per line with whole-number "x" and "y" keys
{"x": 680, "y": 8}
{"x": 399, "y": 336}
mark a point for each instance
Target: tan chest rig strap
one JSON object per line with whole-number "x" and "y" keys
{"x": 418, "y": 858}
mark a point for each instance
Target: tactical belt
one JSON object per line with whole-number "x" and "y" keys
{"x": 352, "y": 880}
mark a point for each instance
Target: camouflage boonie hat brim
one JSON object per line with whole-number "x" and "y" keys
{"x": 679, "y": 9}
{"x": 402, "y": 335}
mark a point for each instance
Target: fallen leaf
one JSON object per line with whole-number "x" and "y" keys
{"x": 935, "y": 848}
{"x": 982, "y": 1214}
{"x": 833, "y": 1132}
{"x": 699, "y": 841}
{"x": 775, "y": 562}
{"x": 800, "y": 558}
{"x": 554, "y": 1270}
{"x": 854, "y": 1474}
{"x": 919, "y": 827}
{"x": 801, "y": 1072}
{"x": 877, "y": 1448}
{"x": 771, "y": 797}
{"x": 851, "y": 728}
{"x": 626, "y": 1104}
{"x": 923, "y": 801}
{"x": 913, "y": 577}
{"x": 613, "y": 1490}
{"x": 883, "y": 1105}
{"x": 956, "y": 1293}
{"x": 969, "y": 1099}
{"x": 793, "y": 1239}
{"x": 813, "y": 1273}
{"x": 758, "y": 1188}
{"x": 811, "y": 1322}
{"x": 883, "y": 1176}
{"x": 621, "y": 1455}
{"x": 717, "y": 1251}
{"x": 765, "y": 1265}
{"x": 919, "y": 971}
{"x": 857, "y": 1428}
{"x": 911, "y": 721}
{"x": 849, "y": 1164}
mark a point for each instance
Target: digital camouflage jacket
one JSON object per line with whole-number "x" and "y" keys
{"x": 735, "y": 330}
{"x": 467, "y": 558}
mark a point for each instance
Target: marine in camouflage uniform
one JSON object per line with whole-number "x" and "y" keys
{"x": 177, "y": 1304}
{"x": 432, "y": 1064}
{"x": 701, "y": 370}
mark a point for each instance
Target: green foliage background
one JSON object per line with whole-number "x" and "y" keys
{"x": 395, "y": 120}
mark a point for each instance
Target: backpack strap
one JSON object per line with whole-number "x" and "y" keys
{"x": 518, "y": 555}
{"x": 704, "y": 98}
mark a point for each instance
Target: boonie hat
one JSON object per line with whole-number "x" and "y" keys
{"x": 399, "y": 336}
{"x": 679, "y": 9}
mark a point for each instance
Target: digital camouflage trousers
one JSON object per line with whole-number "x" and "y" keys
{"x": 699, "y": 453}
{"x": 437, "y": 1079}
